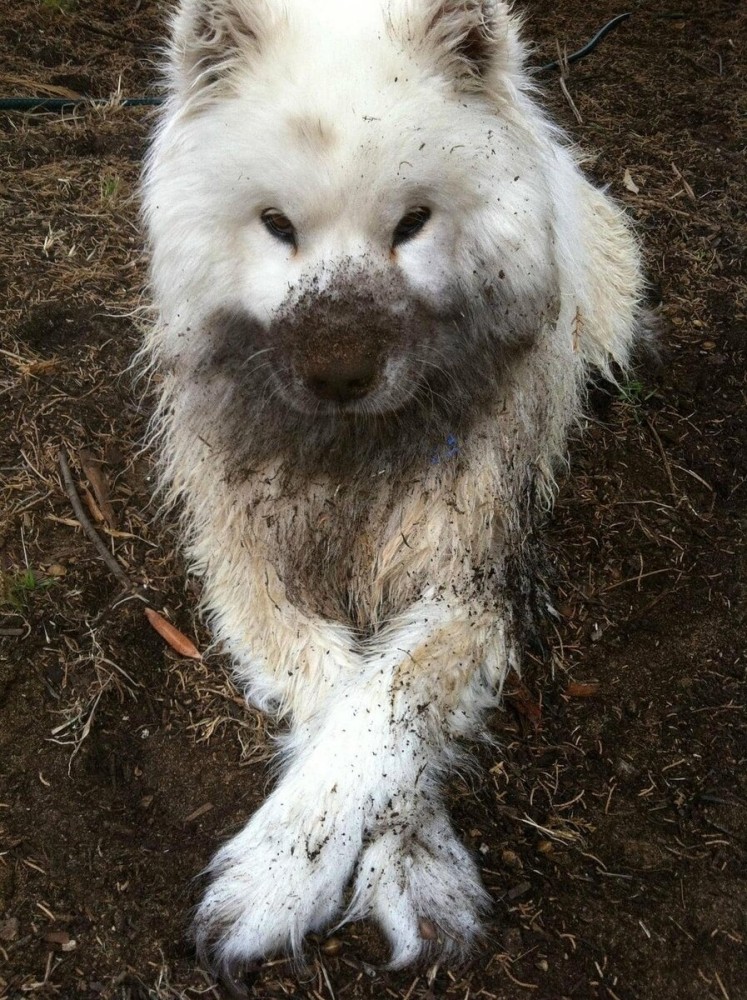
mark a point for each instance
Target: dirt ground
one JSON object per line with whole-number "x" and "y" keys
{"x": 611, "y": 822}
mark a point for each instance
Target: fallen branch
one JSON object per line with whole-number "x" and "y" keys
{"x": 83, "y": 519}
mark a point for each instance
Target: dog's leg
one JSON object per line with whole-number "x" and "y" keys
{"x": 364, "y": 770}
{"x": 287, "y": 662}
{"x": 415, "y": 877}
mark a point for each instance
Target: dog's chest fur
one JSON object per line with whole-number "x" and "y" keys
{"x": 357, "y": 547}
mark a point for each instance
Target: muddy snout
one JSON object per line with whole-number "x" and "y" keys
{"x": 346, "y": 344}
{"x": 342, "y": 375}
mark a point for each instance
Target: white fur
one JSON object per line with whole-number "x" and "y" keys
{"x": 345, "y": 115}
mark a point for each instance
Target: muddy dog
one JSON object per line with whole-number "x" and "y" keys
{"x": 382, "y": 282}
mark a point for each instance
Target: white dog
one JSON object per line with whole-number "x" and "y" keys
{"x": 382, "y": 281}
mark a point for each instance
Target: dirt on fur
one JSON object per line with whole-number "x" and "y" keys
{"x": 610, "y": 820}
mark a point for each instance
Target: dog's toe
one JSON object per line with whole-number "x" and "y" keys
{"x": 424, "y": 890}
{"x": 282, "y": 877}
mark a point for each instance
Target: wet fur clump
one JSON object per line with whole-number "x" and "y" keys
{"x": 382, "y": 282}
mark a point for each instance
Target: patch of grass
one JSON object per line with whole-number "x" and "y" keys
{"x": 634, "y": 392}
{"x": 63, "y": 6}
{"x": 110, "y": 187}
{"x": 16, "y": 589}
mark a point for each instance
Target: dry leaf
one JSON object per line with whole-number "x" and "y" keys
{"x": 176, "y": 639}
{"x": 582, "y": 690}
{"x": 56, "y": 937}
{"x": 520, "y": 698}
{"x": 91, "y": 467}
{"x": 629, "y": 183}
{"x": 93, "y": 508}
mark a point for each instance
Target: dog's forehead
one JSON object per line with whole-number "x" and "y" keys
{"x": 357, "y": 142}
{"x": 360, "y": 106}
{"x": 372, "y": 127}
{"x": 315, "y": 129}
{"x": 330, "y": 74}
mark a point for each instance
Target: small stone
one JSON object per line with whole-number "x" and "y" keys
{"x": 427, "y": 929}
{"x": 545, "y": 847}
{"x": 511, "y": 859}
{"x": 9, "y": 929}
{"x": 332, "y": 946}
{"x": 542, "y": 965}
{"x": 56, "y": 570}
{"x": 512, "y": 941}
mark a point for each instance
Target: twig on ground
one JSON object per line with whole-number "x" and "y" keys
{"x": 665, "y": 460}
{"x": 111, "y": 563}
{"x": 106, "y": 33}
{"x": 641, "y": 576}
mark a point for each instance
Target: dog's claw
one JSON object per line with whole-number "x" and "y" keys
{"x": 229, "y": 975}
{"x": 235, "y": 989}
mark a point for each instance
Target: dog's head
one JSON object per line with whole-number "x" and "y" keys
{"x": 347, "y": 201}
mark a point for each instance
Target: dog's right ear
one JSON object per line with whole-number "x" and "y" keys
{"x": 208, "y": 38}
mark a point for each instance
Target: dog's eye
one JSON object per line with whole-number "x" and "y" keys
{"x": 279, "y": 225}
{"x": 410, "y": 225}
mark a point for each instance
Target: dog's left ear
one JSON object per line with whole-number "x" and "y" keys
{"x": 475, "y": 42}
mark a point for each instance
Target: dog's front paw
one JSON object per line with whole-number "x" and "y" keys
{"x": 282, "y": 877}
{"x": 424, "y": 890}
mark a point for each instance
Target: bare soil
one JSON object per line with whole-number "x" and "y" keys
{"x": 611, "y": 822}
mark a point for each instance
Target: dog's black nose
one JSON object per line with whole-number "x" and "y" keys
{"x": 342, "y": 382}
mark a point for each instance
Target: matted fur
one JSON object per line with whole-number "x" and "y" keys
{"x": 360, "y": 554}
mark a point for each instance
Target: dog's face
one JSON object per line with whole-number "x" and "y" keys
{"x": 348, "y": 215}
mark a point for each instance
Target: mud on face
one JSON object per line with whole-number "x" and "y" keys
{"x": 352, "y": 347}
{"x": 354, "y": 370}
